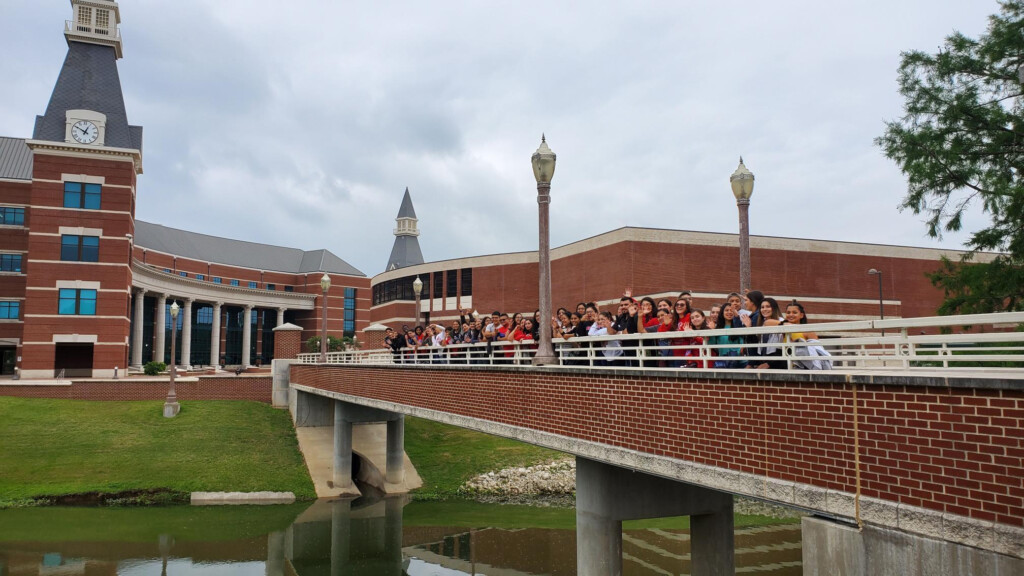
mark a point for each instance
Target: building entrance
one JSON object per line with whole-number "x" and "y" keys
{"x": 75, "y": 360}
{"x": 8, "y": 358}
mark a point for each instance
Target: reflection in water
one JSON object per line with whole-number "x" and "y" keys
{"x": 336, "y": 538}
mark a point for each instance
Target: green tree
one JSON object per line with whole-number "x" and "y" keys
{"x": 961, "y": 143}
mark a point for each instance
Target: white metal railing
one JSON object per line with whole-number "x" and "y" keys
{"x": 905, "y": 345}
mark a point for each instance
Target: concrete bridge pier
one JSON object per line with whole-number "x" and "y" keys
{"x": 347, "y": 414}
{"x": 606, "y": 495}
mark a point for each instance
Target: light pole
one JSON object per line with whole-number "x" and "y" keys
{"x": 881, "y": 303}
{"x": 543, "y": 161}
{"x": 171, "y": 406}
{"x": 325, "y": 285}
{"x": 417, "y": 287}
{"x": 742, "y": 181}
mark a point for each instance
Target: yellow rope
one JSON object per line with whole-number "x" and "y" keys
{"x": 856, "y": 457}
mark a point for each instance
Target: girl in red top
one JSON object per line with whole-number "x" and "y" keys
{"x": 696, "y": 323}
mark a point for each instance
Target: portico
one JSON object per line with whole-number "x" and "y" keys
{"x": 209, "y": 304}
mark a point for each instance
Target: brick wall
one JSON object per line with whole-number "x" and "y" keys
{"x": 955, "y": 450}
{"x": 287, "y": 344}
{"x": 255, "y": 388}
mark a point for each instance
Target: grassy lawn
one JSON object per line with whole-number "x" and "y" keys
{"x": 446, "y": 456}
{"x": 58, "y": 447}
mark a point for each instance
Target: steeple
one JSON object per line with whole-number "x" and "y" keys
{"x": 95, "y": 22}
{"x": 86, "y": 107}
{"x": 406, "y": 251}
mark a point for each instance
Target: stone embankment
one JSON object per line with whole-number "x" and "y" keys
{"x": 554, "y": 484}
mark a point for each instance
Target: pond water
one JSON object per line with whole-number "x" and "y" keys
{"x": 392, "y": 536}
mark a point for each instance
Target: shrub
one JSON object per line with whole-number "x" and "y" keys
{"x": 154, "y": 368}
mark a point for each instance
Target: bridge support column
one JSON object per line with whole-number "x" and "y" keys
{"x": 275, "y": 553}
{"x": 395, "y": 463}
{"x": 606, "y": 495}
{"x": 342, "y": 447}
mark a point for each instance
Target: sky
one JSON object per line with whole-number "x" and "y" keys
{"x": 301, "y": 124}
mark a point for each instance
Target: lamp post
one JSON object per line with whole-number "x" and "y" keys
{"x": 543, "y": 161}
{"x": 325, "y": 285}
{"x": 742, "y": 181}
{"x": 417, "y": 287}
{"x": 881, "y": 302}
{"x": 171, "y": 406}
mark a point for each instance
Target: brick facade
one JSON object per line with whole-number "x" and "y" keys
{"x": 955, "y": 450}
{"x": 255, "y": 388}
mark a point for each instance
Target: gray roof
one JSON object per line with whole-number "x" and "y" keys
{"x": 406, "y": 252}
{"x": 406, "y": 210}
{"x": 15, "y": 159}
{"x": 88, "y": 80}
{"x": 238, "y": 252}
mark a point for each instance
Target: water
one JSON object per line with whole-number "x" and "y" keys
{"x": 387, "y": 537}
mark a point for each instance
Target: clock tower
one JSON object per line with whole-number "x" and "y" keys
{"x": 81, "y": 211}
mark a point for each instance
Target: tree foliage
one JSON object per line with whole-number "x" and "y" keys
{"x": 961, "y": 143}
{"x": 333, "y": 344}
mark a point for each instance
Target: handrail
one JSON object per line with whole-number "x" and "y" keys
{"x": 847, "y": 346}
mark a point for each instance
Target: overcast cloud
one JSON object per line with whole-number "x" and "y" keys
{"x": 301, "y": 123}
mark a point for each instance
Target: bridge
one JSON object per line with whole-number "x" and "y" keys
{"x": 909, "y": 453}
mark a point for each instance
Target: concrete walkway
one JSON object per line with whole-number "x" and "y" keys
{"x": 369, "y": 441}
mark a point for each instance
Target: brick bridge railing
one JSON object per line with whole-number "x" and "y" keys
{"x": 942, "y": 457}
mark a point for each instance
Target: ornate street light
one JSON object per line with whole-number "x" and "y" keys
{"x": 171, "y": 406}
{"x": 325, "y": 285}
{"x": 417, "y": 287}
{"x": 881, "y": 302}
{"x": 543, "y": 161}
{"x": 742, "y": 181}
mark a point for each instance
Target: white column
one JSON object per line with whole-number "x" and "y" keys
{"x": 215, "y": 335}
{"x": 280, "y": 316}
{"x": 160, "y": 326}
{"x": 246, "y": 334}
{"x": 140, "y": 315}
{"x": 186, "y": 334}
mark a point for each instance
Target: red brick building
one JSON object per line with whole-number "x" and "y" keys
{"x": 830, "y": 278}
{"x": 85, "y": 288}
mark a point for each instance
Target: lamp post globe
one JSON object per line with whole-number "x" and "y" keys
{"x": 325, "y": 285}
{"x": 417, "y": 288}
{"x": 543, "y": 161}
{"x": 171, "y": 406}
{"x": 742, "y": 182}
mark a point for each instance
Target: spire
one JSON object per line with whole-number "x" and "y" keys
{"x": 406, "y": 211}
{"x": 406, "y": 250}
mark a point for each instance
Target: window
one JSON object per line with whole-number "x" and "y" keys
{"x": 289, "y": 288}
{"x": 10, "y": 262}
{"x": 216, "y": 280}
{"x": 453, "y": 283}
{"x": 74, "y": 248}
{"x": 10, "y": 310}
{"x": 84, "y": 15}
{"x": 168, "y": 270}
{"x": 234, "y": 282}
{"x": 438, "y": 284}
{"x": 200, "y": 277}
{"x": 78, "y": 195}
{"x": 12, "y": 216}
{"x": 102, "y": 19}
{"x": 74, "y": 301}
{"x": 252, "y": 284}
{"x": 271, "y": 287}
{"x": 467, "y": 281}
{"x": 350, "y": 311}
{"x": 183, "y": 274}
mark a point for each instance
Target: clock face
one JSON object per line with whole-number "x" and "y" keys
{"x": 85, "y": 132}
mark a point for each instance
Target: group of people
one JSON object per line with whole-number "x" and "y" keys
{"x": 633, "y": 316}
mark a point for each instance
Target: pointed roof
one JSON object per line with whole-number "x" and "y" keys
{"x": 406, "y": 252}
{"x": 89, "y": 81}
{"x": 406, "y": 211}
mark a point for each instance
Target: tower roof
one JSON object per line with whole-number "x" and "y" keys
{"x": 406, "y": 210}
{"x": 89, "y": 80}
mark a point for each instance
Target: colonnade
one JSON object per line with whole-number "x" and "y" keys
{"x": 160, "y": 329}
